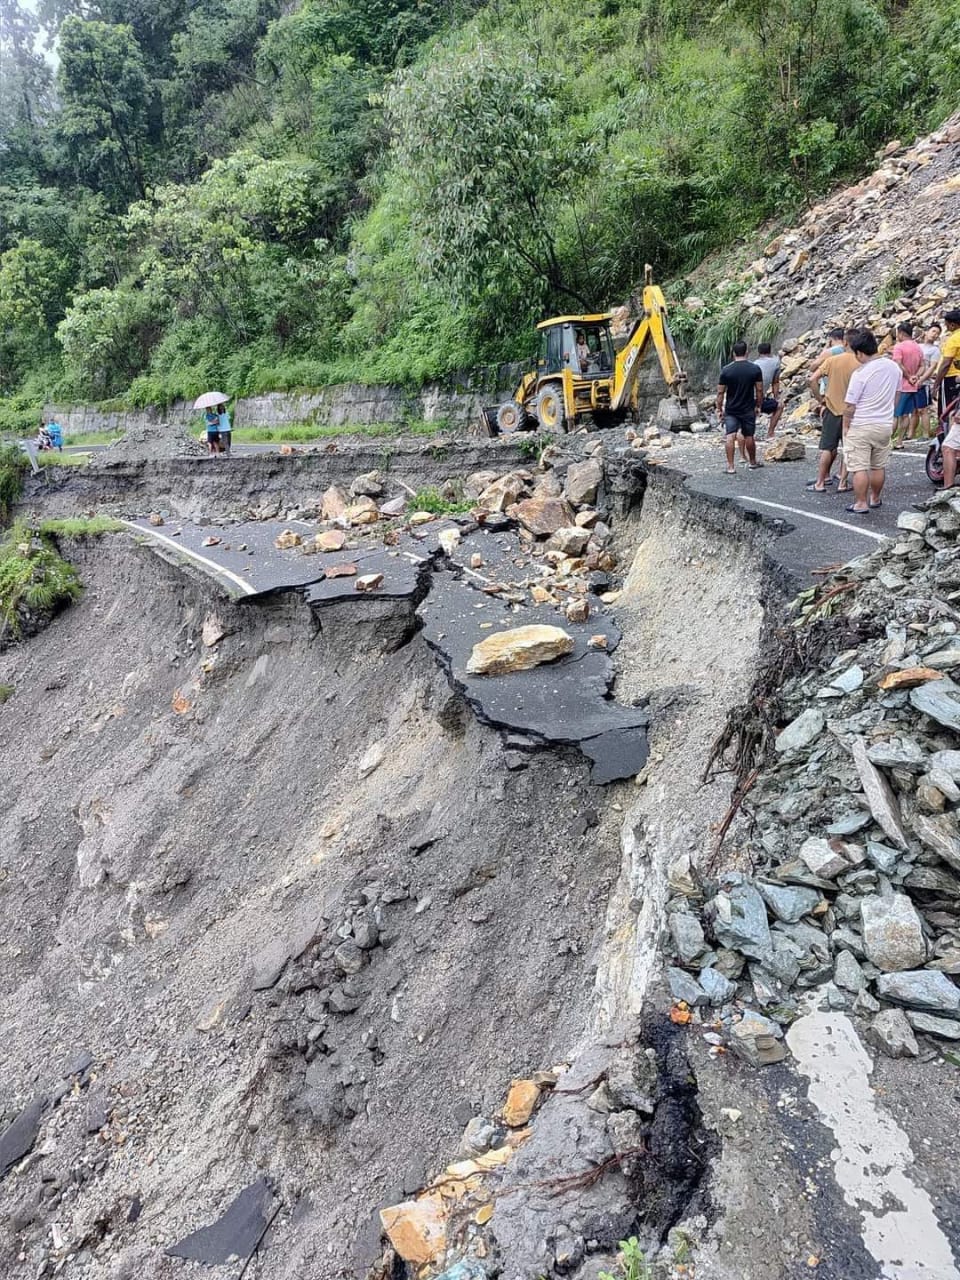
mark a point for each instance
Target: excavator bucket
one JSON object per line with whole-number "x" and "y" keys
{"x": 677, "y": 412}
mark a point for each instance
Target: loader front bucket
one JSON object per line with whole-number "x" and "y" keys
{"x": 488, "y": 421}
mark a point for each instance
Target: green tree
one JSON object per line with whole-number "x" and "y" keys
{"x": 31, "y": 302}
{"x": 105, "y": 97}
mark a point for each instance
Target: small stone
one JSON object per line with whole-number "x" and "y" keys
{"x": 371, "y": 759}
{"x": 882, "y": 857}
{"x": 366, "y": 934}
{"x": 684, "y": 987}
{"x": 476, "y": 560}
{"x": 892, "y": 932}
{"x": 940, "y": 700}
{"x": 521, "y": 1101}
{"x": 719, "y": 990}
{"x": 577, "y": 611}
{"x": 849, "y": 681}
{"x": 348, "y": 957}
{"x": 480, "y": 1135}
{"x": 449, "y": 540}
{"x": 518, "y": 650}
{"x": 943, "y": 1028}
{"x": 880, "y": 798}
{"x": 572, "y": 541}
{"x": 940, "y": 835}
{"x": 921, "y": 989}
{"x": 848, "y": 974}
{"x": 785, "y": 450}
{"x": 740, "y": 921}
{"x": 330, "y": 540}
{"x": 788, "y": 903}
{"x": 369, "y": 582}
{"x": 687, "y": 934}
{"x": 287, "y": 539}
{"x": 213, "y": 631}
{"x": 817, "y": 855}
{"x": 418, "y": 518}
{"x": 155, "y": 518}
{"x": 210, "y": 542}
{"x": 340, "y": 571}
{"x": 850, "y": 823}
{"x": 801, "y": 732}
{"x": 597, "y": 642}
{"x": 417, "y": 1229}
{"x": 757, "y": 1039}
{"x": 368, "y": 485}
{"x": 893, "y": 753}
{"x": 912, "y": 521}
{"x": 890, "y": 1032}
{"x": 582, "y": 482}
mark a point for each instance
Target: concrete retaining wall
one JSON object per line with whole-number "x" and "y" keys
{"x": 457, "y": 399}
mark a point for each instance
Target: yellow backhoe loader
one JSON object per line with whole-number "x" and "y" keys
{"x": 578, "y": 373}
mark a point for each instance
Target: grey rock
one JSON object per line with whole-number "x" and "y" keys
{"x": 890, "y": 1032}
{"x": 880, "y": 798}
{"x": 943, "y": 659}
{"x": 369, "y": 485}
{"x": 865, "y": 1004}
{"x": 850, "y": 823}
{"x": 740, "y": 920}
{"x": 758, "y": 1040}
{"x": 948, "y": 761}
{"x": 19, "y": 1136}
{"x": 898, "y": 752}
{"x": 892, "y": 932}
{"x": 882, "y": 856}
{"x": 582, "y": 482}
{"x": 813, "y": 944}
{"x": 943, "y": 1028}
{"x": 943, "y": 781}
{"x": 341, "y": 1002}
{"x": 348, "y": 957}
{"x": 912, "y": 521}
{"x": 847, "y": 974}
{"x": 366, "y": 934}
{"x": 934, "y": 880}
{"x": 921, "y": 989}
{"x": 940, "y": 700}
{"x": 940, "y": 835}
{"x": 844, "y": 939}
{"x": 687, "y": 934}
{"x": 77, "y": 1064}
{"x": 719, "y": 990}
{"x": 824, "y": 862}
{"x": 480, "y": 1135}
{"x": 788, "y": 903}
{"x": 806, "y": 728}
{"x": 848, "y": 681}
{"x": 683, "y": 987}
{"x": 235, "y": 1234}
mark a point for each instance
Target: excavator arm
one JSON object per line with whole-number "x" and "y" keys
{"x": 651, "y": 327}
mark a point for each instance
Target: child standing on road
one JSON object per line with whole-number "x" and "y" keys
{"x": 212, "y": 419}
{"x": 225, "y": 428}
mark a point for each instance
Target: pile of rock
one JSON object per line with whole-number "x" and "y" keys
{"x": 159, "y": 442}
{"x": 856, "y": 887}
{"x": 882, "y": 251}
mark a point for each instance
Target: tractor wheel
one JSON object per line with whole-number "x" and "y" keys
{"x": 511, "y": 417}
{"x": 551, "y": 409}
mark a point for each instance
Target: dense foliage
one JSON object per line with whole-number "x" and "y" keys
{"x": 236, "y": 192}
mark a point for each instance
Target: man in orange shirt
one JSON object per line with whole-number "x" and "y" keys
{"x": 837, "y": 371}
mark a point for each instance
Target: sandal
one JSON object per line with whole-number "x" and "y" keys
{"x": 844, "y": 488}
{"x": 859, "y": 511}
{"x": 873, "y": 505}
{"x": 731, "y": 471}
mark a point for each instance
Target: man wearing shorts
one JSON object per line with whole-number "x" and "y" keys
{"x": 828, "y": 384}
{"x": 930, "y": 346}
{"x": 868, "y": 421}
{"x": 947, "y": 379}
{"x": 909, "y": 356}
{"x": 739, "y": 397}
{"x": 769, "y": 366}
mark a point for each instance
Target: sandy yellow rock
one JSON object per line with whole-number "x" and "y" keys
{"x": 518, "y": 650}
{"x": 287, "y": 539}
{"x": 417, "y": 1229}
{"x": 521, "y": 1100}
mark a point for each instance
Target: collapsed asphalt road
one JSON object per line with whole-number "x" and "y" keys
{"x": 565, "y": 702}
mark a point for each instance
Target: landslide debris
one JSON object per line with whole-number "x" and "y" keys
{"x": 851, "y": 848}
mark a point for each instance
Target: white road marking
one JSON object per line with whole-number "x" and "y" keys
{"x": 872, "y": 1160}
{"x": 244, "y": 586}
{"x": 808, "y": 515}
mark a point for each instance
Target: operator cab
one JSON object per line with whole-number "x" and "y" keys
{"x": 582, "y": 344}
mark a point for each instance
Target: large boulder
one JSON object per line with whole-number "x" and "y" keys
{"x": 518, "y": 650}
{"x": 892, "y": 932}
{"x": 333, "y": 503}
{"x": 542, "y": 516}
{"x": 502, "y": 493}
{"x": 785, "y": 450}
{"x": 582, "y": 482}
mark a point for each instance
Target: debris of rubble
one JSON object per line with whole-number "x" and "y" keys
{"x": 855, "y": 823}
{"x": 369, "y": 582}
{"x": 518, "y": 650}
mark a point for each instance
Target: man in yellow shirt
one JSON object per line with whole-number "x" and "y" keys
{"x": 833, "y": 374}
{"x": 946, "y": 384}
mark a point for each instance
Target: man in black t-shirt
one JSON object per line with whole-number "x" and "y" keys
{"x": 739, "y": 398}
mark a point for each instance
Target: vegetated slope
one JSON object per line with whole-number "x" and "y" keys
{"x": 181, "y": 819}
{"x": 233, "y": 193}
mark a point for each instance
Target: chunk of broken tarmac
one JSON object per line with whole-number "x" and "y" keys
{"x": 18, "y": 1138}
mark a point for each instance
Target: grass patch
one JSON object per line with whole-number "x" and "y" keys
{"x": 63, "y": 459}
{"x": 80, "y": 527}
{"x": 93, "y": 437}
{"x": 303, "y": 432}
{"x": 13, "y": 467}
{"x": 434, "y": 501}
{"x": 34, "y": 579}
{"x": 6, "y": 693}
{"x": 632, "y": 1263}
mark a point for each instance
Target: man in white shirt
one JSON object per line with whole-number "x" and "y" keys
{"x": 868, "y": 415}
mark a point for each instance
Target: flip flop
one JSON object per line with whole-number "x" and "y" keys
{"x": 873, "y": 505}
{"x": 731, "y": 471}
{"x": 845, "y": 488}
{"x": 858, "y": 512}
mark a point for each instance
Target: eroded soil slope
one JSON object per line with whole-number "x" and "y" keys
{"x": 297, "y": 839}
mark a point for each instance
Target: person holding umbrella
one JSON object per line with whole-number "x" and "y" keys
{"x": 215, "y": 404}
